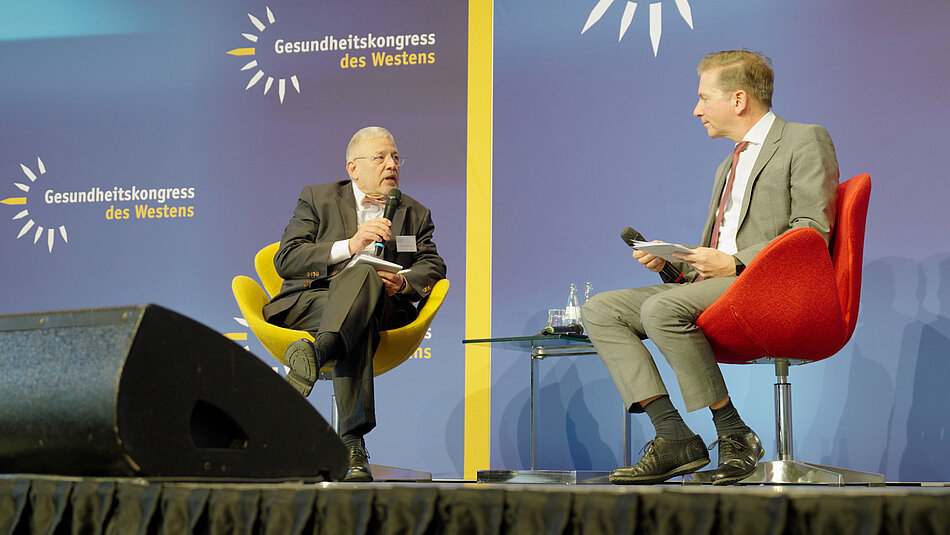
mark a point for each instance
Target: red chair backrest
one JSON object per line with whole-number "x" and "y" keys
{"x": 847, "y": 246}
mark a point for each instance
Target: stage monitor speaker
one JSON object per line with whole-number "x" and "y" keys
{"x": 144, "y": 391}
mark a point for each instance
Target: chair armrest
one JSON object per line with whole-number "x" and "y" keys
{"x": 251, "y": 299}
{"x": 397, "y": 345}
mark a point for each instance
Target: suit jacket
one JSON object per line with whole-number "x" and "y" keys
{"x": 326, "y": 213}
{"x": 793, "y": 184}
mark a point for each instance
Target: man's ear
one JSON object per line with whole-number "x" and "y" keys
{"x": 740, "y": 101}
{"x": 351, "y": 169}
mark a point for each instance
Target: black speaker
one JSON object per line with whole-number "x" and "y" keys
{"x": 144, "y": 391}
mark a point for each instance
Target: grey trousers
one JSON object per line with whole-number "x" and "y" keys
{"x": 617, "y": 322}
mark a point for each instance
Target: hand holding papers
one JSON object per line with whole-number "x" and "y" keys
{"x": 663, "y": 250}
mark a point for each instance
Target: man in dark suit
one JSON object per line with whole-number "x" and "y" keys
{"x": 344, "y": 308}
{"x": 780, "y": 176}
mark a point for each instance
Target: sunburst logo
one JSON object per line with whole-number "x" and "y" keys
{"x": 254, "y": 64}
{"x": 656, "y": 18}
{"x": 239, "y": 336}
{"x": 30, "y": 225}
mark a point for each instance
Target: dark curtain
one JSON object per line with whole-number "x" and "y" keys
{"x": 50, "y": 505}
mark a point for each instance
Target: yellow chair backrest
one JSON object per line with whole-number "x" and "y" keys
{"x": 251, "y": 300}
{"x": 264, "y": 264}
{"x": 395, "y": 345}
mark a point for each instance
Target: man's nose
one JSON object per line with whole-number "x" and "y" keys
{"x": 697, "y": 111}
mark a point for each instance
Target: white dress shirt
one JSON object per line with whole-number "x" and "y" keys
{"x": 341, "y": 249}
{"x": 730, "y": 219}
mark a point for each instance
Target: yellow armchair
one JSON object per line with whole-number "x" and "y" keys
{"x": 395, "y": 345}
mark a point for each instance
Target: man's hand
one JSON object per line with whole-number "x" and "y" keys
{"x": 709, "y": 262}
{"x": 374, "y": 230}
{"x": 392, "y": 281}
{"x": 652, "y": 262}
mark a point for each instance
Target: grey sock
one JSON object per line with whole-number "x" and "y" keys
{"x": 667, "y": 421}
{"x": 727, "y": 420}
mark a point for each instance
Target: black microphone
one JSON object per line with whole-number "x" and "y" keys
{"x": 574, "y": 328}
{"x": 392, "y": 202}
{"x": 669, "y": 273}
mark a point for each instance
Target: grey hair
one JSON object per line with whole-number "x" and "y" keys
{"x": 370, "y": 132}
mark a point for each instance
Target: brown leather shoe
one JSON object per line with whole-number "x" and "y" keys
{"x": 664, "y": 458}
{"x": 738, "y": 456}
{"x": 359, "y": 465}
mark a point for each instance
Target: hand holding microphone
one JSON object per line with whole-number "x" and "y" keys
{"x": 669, "y": 273}
{"x": 393, "y": 198}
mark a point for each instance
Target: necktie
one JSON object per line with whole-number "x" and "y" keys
{"x": 373, "y": 201}
{"x": 714, "y": 240}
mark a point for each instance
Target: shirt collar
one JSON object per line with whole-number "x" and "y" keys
{"x": 358, "y": 194}
{"x": 757, "y": 133}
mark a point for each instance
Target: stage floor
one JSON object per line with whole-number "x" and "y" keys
{"x": 50, "y": 504}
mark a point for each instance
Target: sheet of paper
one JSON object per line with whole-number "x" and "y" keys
{"x": 376, "y": 262}
{"x": 662, "y": 249}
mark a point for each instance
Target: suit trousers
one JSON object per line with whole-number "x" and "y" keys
{"x": 355, "y": 306}
{"x": 618, "y": 321}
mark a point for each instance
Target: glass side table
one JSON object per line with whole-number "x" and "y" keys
{"x": 540, "y": 347}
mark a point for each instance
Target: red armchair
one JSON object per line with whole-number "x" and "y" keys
{"x": 795, "y": 304}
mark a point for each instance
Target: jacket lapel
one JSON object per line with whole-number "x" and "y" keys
{"x": 769, "y": 146}
{"x": 397, "y": 229}
{"x": 346, "y": 201}
{"x": 718, "y": 186}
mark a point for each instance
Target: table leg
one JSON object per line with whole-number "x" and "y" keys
{"x": 535, "y": 421}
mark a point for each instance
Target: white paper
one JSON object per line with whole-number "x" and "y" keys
{"x": 662, "y": 249}
{"x": 376, "y": 262}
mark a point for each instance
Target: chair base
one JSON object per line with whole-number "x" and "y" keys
{"x": 796, "y": 473}
{"x": 391, "y": 473}
{"x": 557, "y": 477}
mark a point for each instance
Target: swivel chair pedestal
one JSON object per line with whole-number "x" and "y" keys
{"x": 785, "y": 469}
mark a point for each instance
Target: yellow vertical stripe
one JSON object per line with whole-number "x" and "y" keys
{"x": 478, "y": 239}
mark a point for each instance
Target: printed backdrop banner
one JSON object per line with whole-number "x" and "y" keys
{"x": 593, "y": 105}
{"x": 152, "y": 148}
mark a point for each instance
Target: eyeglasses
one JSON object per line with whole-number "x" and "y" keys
{"x": 378, "y": 160}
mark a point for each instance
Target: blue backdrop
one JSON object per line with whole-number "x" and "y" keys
{"x": 599, "y": 134}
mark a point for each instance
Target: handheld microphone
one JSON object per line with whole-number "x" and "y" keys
{"x": 574, "y": 328}
{"x": 669, "y": 273}
{"x": 392, "y": 202}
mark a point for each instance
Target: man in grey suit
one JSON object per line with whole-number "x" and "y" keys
{"x": 780, "y": 176}
{"x": 344, "y": 308}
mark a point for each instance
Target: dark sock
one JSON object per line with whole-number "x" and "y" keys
{"x": 328, "y": 347}
{"x": 667, "y": 421}
{"x": 352, "y": 441}
{"x": 728, "y": 421}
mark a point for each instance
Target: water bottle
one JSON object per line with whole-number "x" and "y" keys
{"x": 572, "y": 312}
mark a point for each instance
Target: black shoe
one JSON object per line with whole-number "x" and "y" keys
{"x": 301, "y": 358}
{"x": 664, "y": 458}
{"x": 359, "y": 465}
{"x": 739, "y": 454}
